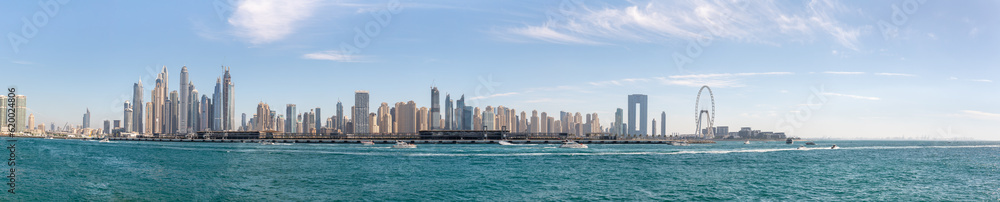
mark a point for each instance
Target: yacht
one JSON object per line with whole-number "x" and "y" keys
{"x": 504, "y": 142}
{"x": 105, "y": 140}
{"x": 572, "y": 144}
{"x": 367, "y": 143}
{"x": 48, "y": 137}
{"x": 679, "y": 143}
{"x": 265, "y": 142}
{"x": 403, "y": 145}
{"x": 834, "y": 147}
{"x": 789, "y": 141}
{"x": 747, "y": 142}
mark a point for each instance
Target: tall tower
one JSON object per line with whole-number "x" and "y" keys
{"x": 182, "y": 108}
{"x": 663, "y": 123}
{"x": 360, "y": 115}
{"x": 449, "y": 115}
{"x": 290, "y": 122}
{"x": 318, "y": 119}
{"x": 618, "y": 126}
{"x": 86, "y": 119}
{"x": 137, "y": 117}
{"x": 228, "y": 105}
{"x": 129, "y": 113}
{"x": 435, "y": 119}
{"x": 217, "y": 106}
{"x": 637, "y": 127}
{"x": 340, "y": 116}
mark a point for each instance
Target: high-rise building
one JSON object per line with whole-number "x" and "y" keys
{"x": 467, "y": 121}
{"x": 174, "y": 117}
{"x": 317, "y": 118}
{"x": 290, "y": 122}
{"x": 127, "y": 117}
{"x": 243, "y": 122}
{"x": 148, "y": 127}
{"x": 137, "y": 105}
{"x": 663, "y": 123}
{"x": 340, "y": 116}
{"x": 263, "y": 122}
{"x": 182, "y": 102}
{"x": 406, "y": 114}
{"x": 360, "y": 115}
{"x": 86, "y": 119}
{"x": 31, "y": 122}
{"x": 228, "y": 101}
{"x": 217, "y": 106}
{"x": 618, "y": 126}
{"x": 384, "y": 119}
{"x": 107, "y": 127}
{"x": 637, "y": 112}
{"x": 193, "y": 121}
{"x": 205, "y": 114}
{"x": 449, "y": 116}
{"x": 654, "y": 128}
{"x": 435, "y": 119}
{"x": 460, "y": 115}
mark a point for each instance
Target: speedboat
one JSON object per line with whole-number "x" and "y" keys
{"x": 403, "y": 145}
{"x": 679, "y": 143}
{"x": 105, "y": 140}
{"x": 747, "y": 142}
{"x": 810, "y": 143}
{"x": 266, "y": 142}
{"x": 789, "y": 141}
{"x": 503, "y": 142}
{"x": 48, "y": 137}
{"x": 834, "y": 147}
{"x": 802, "y": 147}
{"x": 572, "y": 144}
{"x": 367, "y": 143}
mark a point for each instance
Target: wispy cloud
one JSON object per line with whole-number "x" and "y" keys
{"x": 982, "y": 80}
{"x": 844, "y": 73}
{"x": 852, "y": 96}
{"x": 334, "y": 56}
{"x": 264, "y": 21}
{"x": 493, "y": 95}
{"x": 759, "y": 22}
{"x": 21, "y": 62}
{"x": 980, "y": 115}
{"x": 894, "y": 74}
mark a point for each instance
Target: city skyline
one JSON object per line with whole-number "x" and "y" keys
{"x": 923, "y": 80}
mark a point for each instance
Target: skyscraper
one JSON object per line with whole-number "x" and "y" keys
{"x": 228, "y": 101}
{"x": 263, "y": 122}
{"x": 128, "y": 117}
{"x": 318, "y": 119}
{"x": 340, "y": 116}
{"x": 637, "y": 126}
{"x": 205, "y": 114}
{"x": 406, "y": 117}
{"x": 290, "y": 122}
{"x": 86, "y": 119}
{"x": 182, "y": 102}
{"x": 619, "y": 128}
{"x": 137, "y": 118}
{"x": 435, "y": 119}
{"x": 449, "y": 115}
{"x": 217, "y": 106}
{"x": 663, "y": 123}
{"x": 107, "y": 127}
{"x": 460, "y": 114}
{"x": 360, "y": 115}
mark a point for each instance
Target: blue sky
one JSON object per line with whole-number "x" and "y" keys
{"x": 842, "y": 69}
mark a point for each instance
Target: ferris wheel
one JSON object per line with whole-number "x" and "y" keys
{"x": 698, "y": 112}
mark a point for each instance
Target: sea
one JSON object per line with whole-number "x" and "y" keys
{"x": 76, "y": 170}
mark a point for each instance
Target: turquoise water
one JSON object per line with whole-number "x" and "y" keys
{"x": 62, "y": 170}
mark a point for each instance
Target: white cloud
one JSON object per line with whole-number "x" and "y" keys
{"x": 852, "y": 96}
{"x": 494, "y": 95}
{"x": 759, "y": 22}
{"x": 264, "y": 21}
{"x": 982, "y": 80}
{"x": 894, "y": 74}
{"x": 980, "y": 115}
{"x": 333, "y": 56}
{"x": 844, "y": 73}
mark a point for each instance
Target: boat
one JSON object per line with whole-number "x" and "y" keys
{"x": 367, "y": 143}
{"x": 679, "y": 143}
{"x": 747, "y": 142}
{"x": 572, "y": 144}
{"x": 789, "y": 141}
{"x": 834, "y": 147}
{"x": 265, "y": 142}
{"x": 810, "y": 143}
{"x": 802, "y": 147}
{"x": 48, "y": 137}
{"x": 403, "y": 145}
{"x": 105, "y": 140}
{"x": 504, "y": 142}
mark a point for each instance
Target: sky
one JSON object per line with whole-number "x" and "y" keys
{"x": 812, "y": 69}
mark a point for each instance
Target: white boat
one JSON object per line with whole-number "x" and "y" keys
{"x": 834, "y": 147}
{"x": 105, "y": 140}
{"x": 572, "y": 144}
{"x": 679, "y": 143}
{"x": 747, "y": 142}
{"x": 48, "y": 137}
{"x": 502, "y": 142}
{"x": 266, "y": 142}
{"x": 802, "y": 147}
{"x": 367, "y": 143}
{"x": 403, "y": 145}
